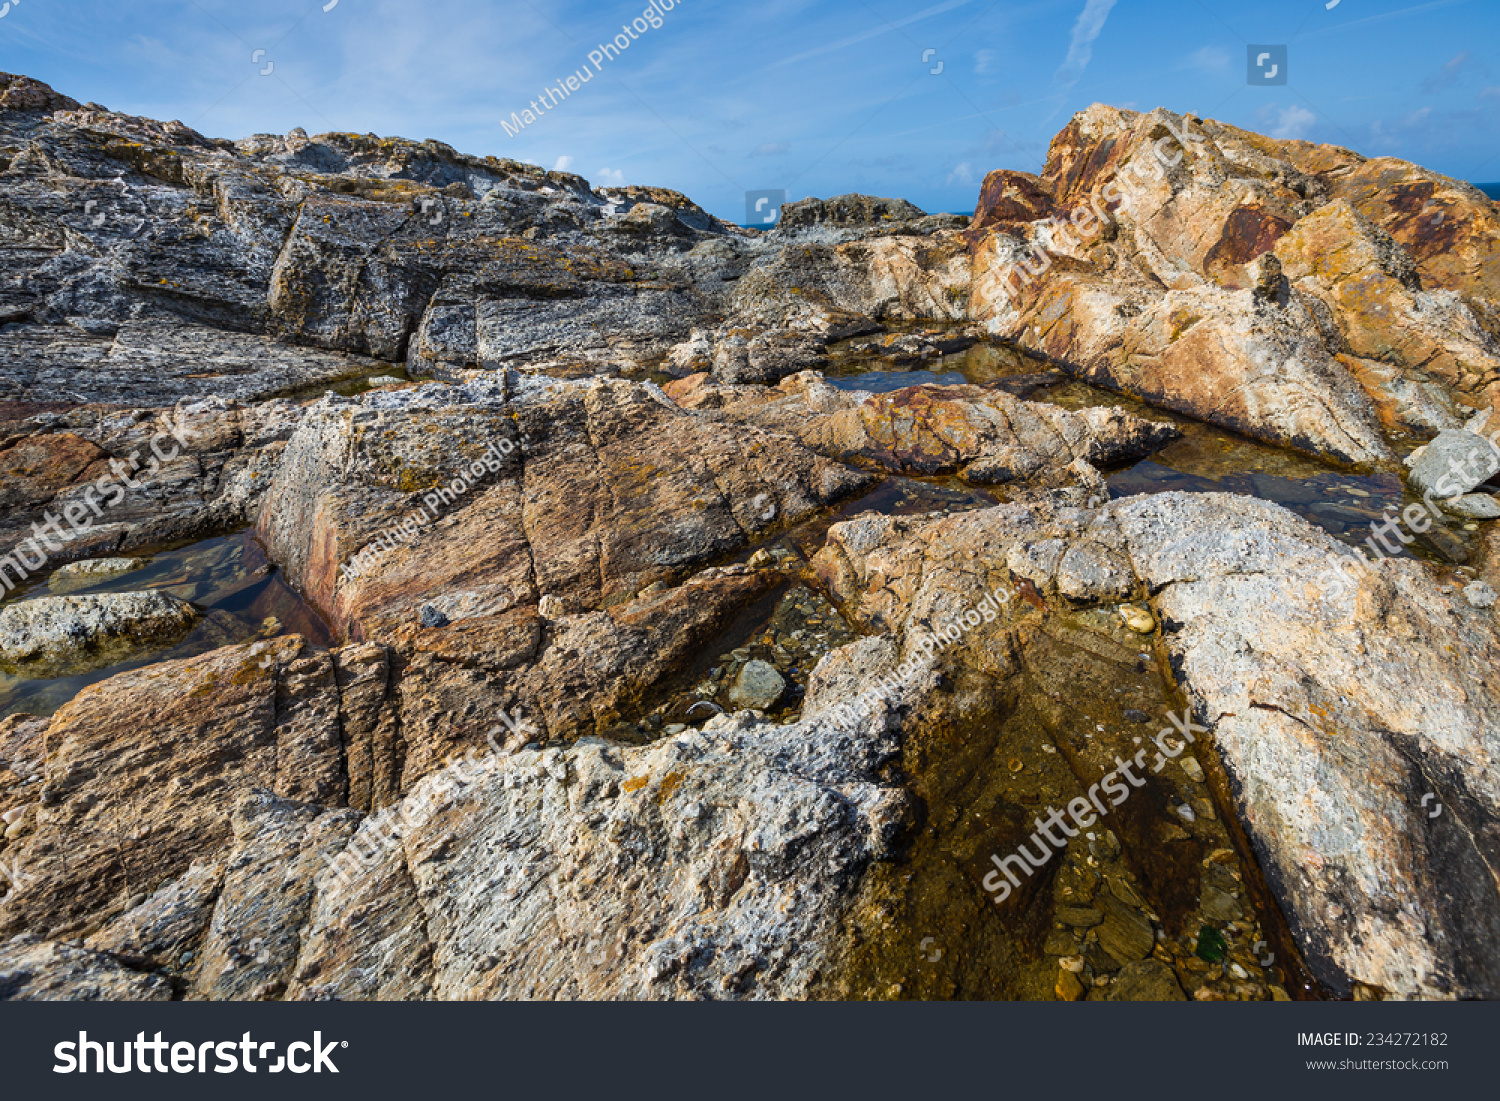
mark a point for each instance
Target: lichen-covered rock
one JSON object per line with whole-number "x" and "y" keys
{"x": 55, "y": 635}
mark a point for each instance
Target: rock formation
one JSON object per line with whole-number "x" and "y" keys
{"x": 569, "y": 471}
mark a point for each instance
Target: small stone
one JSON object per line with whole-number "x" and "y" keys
{"x": 1071, "y": 963}
{"x": 1136, "y": 716}
{"x": 1480, "y": 595}
{"x": 1193, "y": 769}
{"x": 385, "y": 380}
{"x": 550, "y": 607}
{"x": 1126, "y": 934}
{"x": 758, "y": 687}
{"x": 432, "y": 618}
{"x": 762, "y": 559}
{"x": 1080, "y": 917}
{"x": 1219, "y": 905}
{"x": 1068, "y": 988}
{"x": 1060, "y": 942}
{"x": 1138, "y": 619}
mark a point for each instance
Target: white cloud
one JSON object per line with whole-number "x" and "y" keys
{"x": 771, "y": 149}
{"x": 611, "y": 177}
{"x": 1086, "y": 30}
{"x": 982, "y": 60}
{"x": 563, "y": 164}
{"x": 962, "y": 175}
{"x": 1211, "y": 59}
{"x": 1293, "y": 122}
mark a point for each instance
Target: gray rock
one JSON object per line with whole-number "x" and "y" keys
{"x": 1472, "y": 506}
{"x": 845, "y": 211}
{"x": 55, "y": 634}
{"x": 1453, "y": 463}
{"x": 1480, "y": 595}
{"x": 98, "y": 567}
{"x": 758, "y": 687}
{"x": 34, "y": 970}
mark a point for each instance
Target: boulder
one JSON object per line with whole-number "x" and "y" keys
{"x": 54, "y": 636}
{"x": 1453, "y": 463}
{"x": 844, "y": 211}
{"x": 1290, "y": 292}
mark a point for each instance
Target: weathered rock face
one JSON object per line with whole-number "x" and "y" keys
{"x": 142, "y": 771}
{"x": 34, "y": 970}
{"x": 153, "y": 363}
{"x": 591, "y": 492}
{"x": 1374, "y": 698}
{"x": 712, "y": 864}
{"x": 1285, "y": 291}
{"x": 112, "y": 479}
{"x": 986, "y": 436}
{"x": 242, "y": 878}
{"x": 134, "y": 242}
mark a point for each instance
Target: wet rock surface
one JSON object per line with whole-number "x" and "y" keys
{"x": 52, "y": 634}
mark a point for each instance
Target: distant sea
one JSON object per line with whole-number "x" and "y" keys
{"x": 1492, "y": 190}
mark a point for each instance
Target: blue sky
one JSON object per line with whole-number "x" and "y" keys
{"x": 815, "y": 96}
